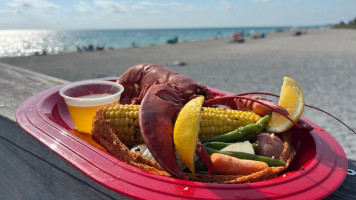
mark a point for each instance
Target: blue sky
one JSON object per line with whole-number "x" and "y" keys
{"x": 118, "y": 14}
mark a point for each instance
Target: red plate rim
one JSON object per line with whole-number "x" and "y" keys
{"x": 319, "y": 178}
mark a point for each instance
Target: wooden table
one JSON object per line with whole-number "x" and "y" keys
{"x": 29, "y": 170}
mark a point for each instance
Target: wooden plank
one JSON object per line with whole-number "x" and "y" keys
{"x": 29, "y": 170}
{"x": 346, "y": 190}
{"x": 19, "y": 84}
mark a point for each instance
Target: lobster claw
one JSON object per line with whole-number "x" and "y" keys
{"x": 158, "y": 111}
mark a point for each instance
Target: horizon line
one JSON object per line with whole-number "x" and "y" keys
{"x": 169, "y": 28}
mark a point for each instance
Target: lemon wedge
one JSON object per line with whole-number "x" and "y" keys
{"x": 186, "y": 130}
{"x": 292, "y": 99}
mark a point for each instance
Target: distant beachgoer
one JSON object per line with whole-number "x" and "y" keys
{"x": 79, "y": 49}
{"x": 254, "y": 35}
{"x": 236, "y": 37}
{"x": 98, "y": 48}
{"x": 173, "y": 40}
{"x": 90, "y": 47}
{"x": 133, "y": 45}
{"x": 298, "y": 33}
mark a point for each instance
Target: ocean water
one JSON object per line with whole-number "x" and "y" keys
{"x": 15, "y": 43}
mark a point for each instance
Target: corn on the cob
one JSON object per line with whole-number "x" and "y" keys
{"x": 214, "y": 121}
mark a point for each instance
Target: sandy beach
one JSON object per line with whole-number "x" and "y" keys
{"x": 323, "y": 62}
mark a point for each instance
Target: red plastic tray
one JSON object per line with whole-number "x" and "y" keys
{"x": 319, "y": 168}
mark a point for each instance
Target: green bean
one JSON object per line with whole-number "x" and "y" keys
{"x": 242, "y": 155}
{"x": 217, "y": 145}
{"x": 262, "y": 124}
{"x": 237, "y": 134}
{"x": 247, "y": 132}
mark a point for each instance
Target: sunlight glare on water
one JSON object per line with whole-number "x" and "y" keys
{"x": 28, "y": 42}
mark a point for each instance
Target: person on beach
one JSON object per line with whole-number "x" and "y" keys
{"x": 79, "y": 49}
{"x": 91, "y": 47}
{"x": 173, "y": 40}
{"x": 99, "y": 48}
{"x": 236, "y": 37}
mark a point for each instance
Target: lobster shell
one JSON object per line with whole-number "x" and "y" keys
{"x": 105, "y": 136}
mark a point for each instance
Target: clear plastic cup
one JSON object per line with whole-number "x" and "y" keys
{"x": 83, "y": 98}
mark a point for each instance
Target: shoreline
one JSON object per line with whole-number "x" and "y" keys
{"x": 81, "y": 45}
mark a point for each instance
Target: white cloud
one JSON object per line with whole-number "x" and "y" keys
{"x": 143, "y": 5}
{"x": 224, "y": 5}
{"x": 263, "y": 1}
{"x": 33, "y": 7}
{"x": 111, "y": 6}
{"x": 148, "y": 4}
{"x": 83, "y": 6}
{"x": 32, "y": 4}
{"x": 153, "y": 6}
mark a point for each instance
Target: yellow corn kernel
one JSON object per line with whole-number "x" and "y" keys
{"x": 214, "y": 121}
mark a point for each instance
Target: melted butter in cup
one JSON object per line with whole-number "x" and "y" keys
{"x": 83, "y": 98}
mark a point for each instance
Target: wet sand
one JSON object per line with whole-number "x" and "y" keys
{"x": 322, "y": 61}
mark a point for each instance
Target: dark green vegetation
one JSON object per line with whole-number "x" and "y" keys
{"x": 351, "y": 24}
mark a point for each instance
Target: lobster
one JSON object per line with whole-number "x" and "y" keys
{"x": 138, "y": 79}
{"x": 162, "y": 93}
{"x": 157, "y": 125}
